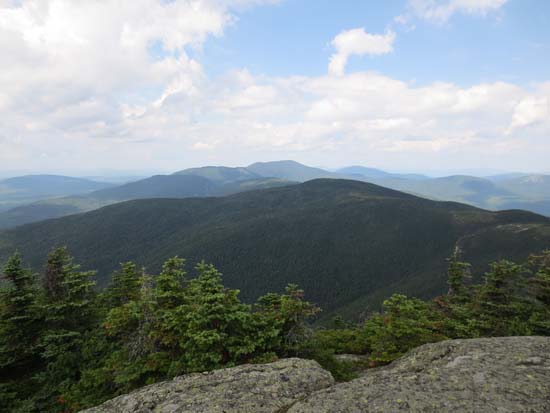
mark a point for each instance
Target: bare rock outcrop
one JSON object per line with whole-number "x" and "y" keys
{"x": 510, "y": 374}
{"x": 262, "y": 388}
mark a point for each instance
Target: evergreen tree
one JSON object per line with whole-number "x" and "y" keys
{"x": 540, "y": 290}
{"x": 130, "y": 328}
{"x": 404, "y": 324}
{"x": 125, "y": 285}
{"x": 458, "y": 273}
{"x": 501, "y": 309}
{"x": 19, "y": 331}
{"x": 68, "y": 307}
{"x": 287, "y": 314}
{"x": 215, "y": 328}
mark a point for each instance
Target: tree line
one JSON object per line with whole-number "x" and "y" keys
{"x": 65, "y": 346}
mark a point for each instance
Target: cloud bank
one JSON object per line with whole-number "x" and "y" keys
{"x": 103, "y": 84}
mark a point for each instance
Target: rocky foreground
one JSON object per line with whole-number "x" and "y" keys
{"x": 510, "y": 374}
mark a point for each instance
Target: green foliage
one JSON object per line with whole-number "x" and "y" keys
{"x": 342, "y": 241}
{"x": 405, "y": 323}
{"x": 64, "y": 348}
{"x": 458, "y": 273}
{"x": 68, "y": 310}
{"x": 499, "y": 305}
{"x": 20, "y": 326}
{"x": 287, "y": 315}
{"x": 125, "y": 285}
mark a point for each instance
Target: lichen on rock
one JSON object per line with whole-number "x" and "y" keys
{"x": 262, "y": 388}
{"x": 510, "y": 374}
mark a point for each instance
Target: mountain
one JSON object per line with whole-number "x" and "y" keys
{"x": 530, "y": 192}
{"x": 291, "y": 170}
{"x": 349, "y": 244}
{"x": 364, "y": 172}
{"x": 534, "y": 186}
{"x": 158, "y": 186}
{"x": 221, "y": 174}
{"x": 24, "y": 189}
{"x": 506, "y": 191}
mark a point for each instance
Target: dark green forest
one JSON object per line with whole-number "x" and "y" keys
{"x": 348, "y": 244}
{"x": 65, "y": 345}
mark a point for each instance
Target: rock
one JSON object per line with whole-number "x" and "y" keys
{"x": 510, "y": 374}
{"x": 352, "y": 358}
{"x": 258, "y": 388}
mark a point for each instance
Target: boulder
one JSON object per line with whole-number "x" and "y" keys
{"x": 262, "y": 388}
{"x": 509, "y": 374}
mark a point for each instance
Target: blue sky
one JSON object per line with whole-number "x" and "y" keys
{"x": 162, "y": 85}
{"x": 293, "y": 38}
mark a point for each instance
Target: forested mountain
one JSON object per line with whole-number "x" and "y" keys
{"x": 24, "y": 189}
{"x": 529, "y": 192}
{"x": 221, "y": 174}
{"x": 291, "y": 170}
{"x": 511, "y": 191}
{"x": 348, "y": 244}
{"x": 158, "y": 186}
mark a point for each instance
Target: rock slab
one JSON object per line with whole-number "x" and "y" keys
{"x": 510, "y": 374}
{"x": 262, "y": 388}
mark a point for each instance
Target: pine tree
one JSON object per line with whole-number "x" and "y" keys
{"x": 19, "y": 332}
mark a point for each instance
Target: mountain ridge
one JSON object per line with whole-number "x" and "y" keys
{"x": 340, "y": 240}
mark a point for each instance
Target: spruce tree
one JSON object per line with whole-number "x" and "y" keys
{"x": 215, "y": 328}
{"x": 458, "y": 272}
{"x": 539, "y": 290}
{"x": 125, "y": 285}
{"x": 501, "y": 307}
{"x": 19, "y": 331}
{"x": 68, "y": 307}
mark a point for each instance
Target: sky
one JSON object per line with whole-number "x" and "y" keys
{"x": 162, "y": 85}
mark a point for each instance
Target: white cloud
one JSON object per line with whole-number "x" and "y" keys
{"x": 441, "y": 10}
{"x": 358, "y": 42}
{"x": 529, "y": 111}
{"x": 79, "y": 89}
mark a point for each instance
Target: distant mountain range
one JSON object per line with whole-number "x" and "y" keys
{"x": 500, "y": 192}
{"x": 349, "y": 244}
{"x": 26, "y": 189}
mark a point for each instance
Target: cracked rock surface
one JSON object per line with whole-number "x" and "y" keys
{"x": 262, "y": 388}
{"x": 510, "y": 374}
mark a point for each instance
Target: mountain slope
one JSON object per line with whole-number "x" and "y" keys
{"x": 291, "y": 170}
{"x": 24, "y": 189}
{"x": 221, "y": 174}
{"x": 158, "y": 186}
{"x": 344, "y": 242}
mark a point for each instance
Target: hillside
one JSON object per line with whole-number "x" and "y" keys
{"x": 158, "y": 186}
{"x": 501, "y": 192}
{"x": 221, "y": 174}
{"x": 347, "y": 243}
{"x": 24, "y": 189}
{"x": 529, "y": 192}
{"x": 291, "y": 170}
